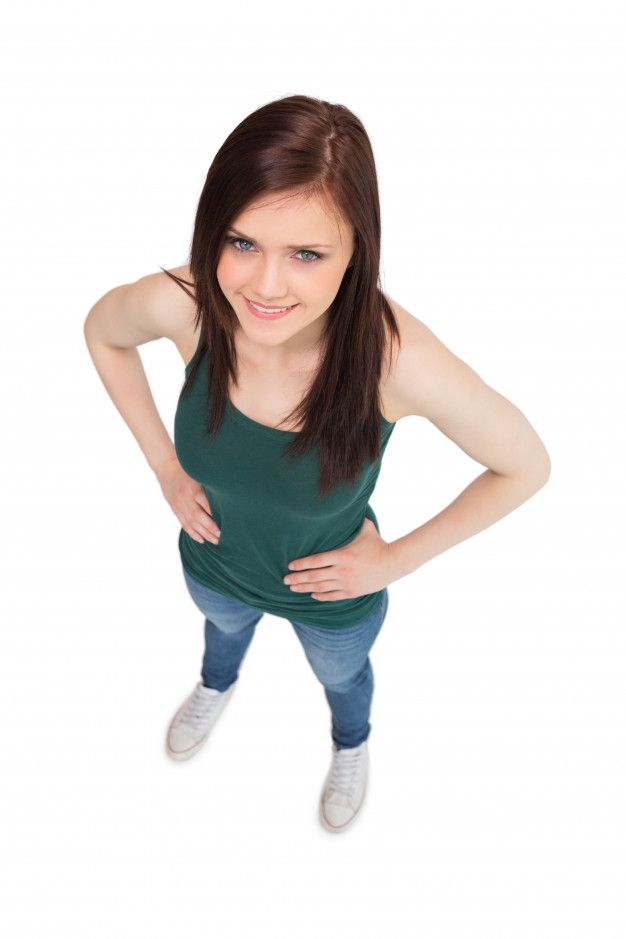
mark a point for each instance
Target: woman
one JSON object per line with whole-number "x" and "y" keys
{"x": 297, "y": 369}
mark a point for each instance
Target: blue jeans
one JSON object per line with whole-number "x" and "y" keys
{"x": 338, "y": 657}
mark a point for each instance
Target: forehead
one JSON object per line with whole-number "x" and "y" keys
{"x": 293, "y": 219}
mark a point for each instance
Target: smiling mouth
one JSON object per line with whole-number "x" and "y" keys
{"x": 270, "y": 309}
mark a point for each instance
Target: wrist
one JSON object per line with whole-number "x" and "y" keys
{"x": 400, "y": 564}
{"x": 163, "y": 464}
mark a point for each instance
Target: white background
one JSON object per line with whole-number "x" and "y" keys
{"x": 495, "y": 806}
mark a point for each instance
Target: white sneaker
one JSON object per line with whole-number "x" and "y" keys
{"x": 194, "y": 719}
{"x": 344, "y": 787}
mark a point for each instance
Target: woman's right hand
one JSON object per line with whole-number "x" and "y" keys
{"x": 188, "y": 501}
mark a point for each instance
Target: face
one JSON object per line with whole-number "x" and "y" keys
{"x": 284, "y": 252}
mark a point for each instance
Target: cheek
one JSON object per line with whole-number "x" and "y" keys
{"x": 226, "y": 272}
{"x": 322, "y": 286}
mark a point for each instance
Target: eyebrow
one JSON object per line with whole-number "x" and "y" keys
{"x": 290, "y": 247}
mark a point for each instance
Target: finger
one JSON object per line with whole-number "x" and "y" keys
{"x": 320, "y": 586}
{"x": 202, "y": 500}
{"x": 192, "y": 534}
{"x": 205, "y": 519}
{"x": 329, "y": 595}
{"x": 200, "y": 531}
{"x": 317, "y": 577}
{"x": 327, "y": 559}
{"x": 207, "y": 527}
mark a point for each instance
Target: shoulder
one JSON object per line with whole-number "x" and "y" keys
{"x": 152, "y": 307}
{"x": 166, "y": 305}
{"x": 424, "y": 370}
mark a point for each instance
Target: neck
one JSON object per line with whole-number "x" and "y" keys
{"x": 303, "y": 350}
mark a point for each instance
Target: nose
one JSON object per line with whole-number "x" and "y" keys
{"x": 270, "y": 287}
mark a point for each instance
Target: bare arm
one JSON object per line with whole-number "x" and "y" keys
{"x": 124, "y": 318}
{"x": 434, "y": 383}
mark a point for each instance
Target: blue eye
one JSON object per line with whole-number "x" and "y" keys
{"x": 232, "y": 240}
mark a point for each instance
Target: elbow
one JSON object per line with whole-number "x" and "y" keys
{"x": 86, "y": 324}
{"x": 89, "y": 326}
{"x": 532, "y": 471}
{"x": 545, "y": 465}
{"x": 541, "y": 469}
{"x": 538, "y": 465}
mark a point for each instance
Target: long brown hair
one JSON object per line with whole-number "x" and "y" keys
{"x": 307, "y": 147}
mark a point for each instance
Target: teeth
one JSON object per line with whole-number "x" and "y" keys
{"x": 263, "y": 309}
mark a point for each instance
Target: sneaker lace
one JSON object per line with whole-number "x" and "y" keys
{"x": 344, "y": 767}
{"x": 199, "y": 707}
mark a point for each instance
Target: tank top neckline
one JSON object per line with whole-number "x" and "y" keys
{"x": 264, "y": 428}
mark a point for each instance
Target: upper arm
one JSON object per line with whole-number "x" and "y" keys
{"x": 432, "y": 382}
{"x": 132, "y": 314}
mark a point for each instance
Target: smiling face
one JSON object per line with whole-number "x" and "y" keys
{"x": 290, "y": 252}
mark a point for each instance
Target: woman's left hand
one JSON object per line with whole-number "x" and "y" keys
{"x": 361, "y": 567}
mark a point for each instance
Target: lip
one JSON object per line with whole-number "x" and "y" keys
{"x": 268, "y": 316}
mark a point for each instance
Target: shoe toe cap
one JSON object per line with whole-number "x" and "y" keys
{"x": 337, "y": 815}
{"x": 338, "y": 808}
{"x": 180, "y": 739}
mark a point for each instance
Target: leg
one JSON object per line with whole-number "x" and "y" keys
{"x": 228, "y": 630}
{"x": 340, "y": 660}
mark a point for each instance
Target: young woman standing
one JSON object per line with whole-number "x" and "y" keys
{"x": 297, "y": 368}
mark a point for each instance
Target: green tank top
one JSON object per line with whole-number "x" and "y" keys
{"x": 268, "y": 510}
